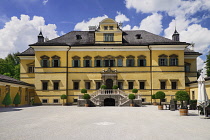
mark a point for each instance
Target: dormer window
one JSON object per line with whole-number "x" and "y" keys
{"x": 138, "y": 36}
{"x": 111, "y": 28}
{"x": 78, "y": 37}
{"x": 105, "y": 27}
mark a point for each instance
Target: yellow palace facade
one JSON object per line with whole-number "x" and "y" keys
{"x": 107, "y": 55}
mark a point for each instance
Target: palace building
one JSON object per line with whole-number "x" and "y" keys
{"x": 107, "y": 55}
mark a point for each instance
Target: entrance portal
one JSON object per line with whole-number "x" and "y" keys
{"x": 109, "y": 83}
{"x": 109, "y": 102}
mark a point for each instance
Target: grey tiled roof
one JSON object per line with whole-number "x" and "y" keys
{"x": 8, "y": 79}
{"x": 187, "y": 51}
{"x": 28, "y": 52}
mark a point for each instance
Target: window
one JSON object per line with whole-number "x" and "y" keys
{"x": 44, "y": 85}
{"x": 109, "y": 63}
{"x": 130, "y": 85}
{"x": 87, "y": 85}
{"x": 111, "y": 28}
{"x": 55, "y": 101}
{"x": 162, "y": 85}
{"x": 75, "y": 100}
{"x": 55, "y": 61}
{"x": 45, "y": 62}
{"x": 193, "y": 95}
{"x": 173, "y": 60}
{"x": 98, "y": 63}
{"x": 76, "y": 85}
{"x": 163, "y": 60}
{"x": 130, "y": 62}
{"x": 187, "y": 67}
{"x": 138, "y": 36}
{"x": 76, "y": 61}
{"x": 98, "y": 85}
{"x": 143, "y": 100}
{"x": 120, "y": 85}
{"x": 56, "y": 85}
{"x": 105, "y": 27}
{"x": 174, "y": 85}
{"x": 163, "y": 100}
{"x": 109, "y": 37}
{"x": 119, "y": 62}
{"x": 87, "y": 61}
{"x": 141, "y": 62}
{"x": 44, "y": 101}
{"x": 78, "y": 37}
{"x": 31, "y": 69}
{"x": 142, "y": 85}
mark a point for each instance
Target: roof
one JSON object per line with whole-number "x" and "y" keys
{"x": 8, "y": 79}
{"x": 187, "y": 51}
{"x": 28, "y": 52}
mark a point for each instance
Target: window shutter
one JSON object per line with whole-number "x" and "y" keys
{"x": 78, "y": 63}
{"x": 144, "y": 61}
{"x": 177, "y": 62}
{"x": 138, "y": 62}
{"x": 52, "y": 63}
{"x": 101, "y": 63}
{"x": 72, "y": 63}
{"x": 166, "y": 62}
{"x": 41, "y": 62}
{"x": 94, "y": 63}
{"x": 84, "y": 63}
{"x": 170, "y": 62}
{"x": 127, "y": 62}
{"x": 133, "y": 62}
{"x": 120, "y": 63}
{"x": 159, "y": 62}
{"x": 59, "y": 62}
{"x": 48, "y": 63}
{"x": 90, "y": 63}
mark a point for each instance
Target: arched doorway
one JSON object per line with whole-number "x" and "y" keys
{"x": 109, "y": 102}
{"x": 109, "y": 83}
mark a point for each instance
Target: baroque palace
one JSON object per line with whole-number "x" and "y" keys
{"x": 107, "y": 55}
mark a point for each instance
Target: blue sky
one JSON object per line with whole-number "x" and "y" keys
{"x": 21, "y": 20}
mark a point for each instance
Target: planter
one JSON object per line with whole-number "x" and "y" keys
{"x": 16, "y": 105}
{"x": 131, "y": 104}
{"x": 86, "y": 105}
{"x": 154, "y": 103}
{"x": 160, "y": 107}
{"x": 183, "y": 112}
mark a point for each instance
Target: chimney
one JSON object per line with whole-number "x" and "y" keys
{"x": 40, "y": 37}
{"x": 175, "y": 36}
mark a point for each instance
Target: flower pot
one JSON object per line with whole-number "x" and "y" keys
{"x": 131, "y": 104}
{"x": 154, "y": 103}
{"x": 16, "y": 105}
{"x": 160, "y": 107}
{"x": 86, "y": 105}
{"x": 183, "y": 112}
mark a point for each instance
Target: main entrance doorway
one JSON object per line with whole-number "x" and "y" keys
{"x": 109, "y": 83}
{"x": 109, "y": 102}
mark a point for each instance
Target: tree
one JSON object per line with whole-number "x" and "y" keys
{"x": 134, "y": 90}
{"x": 103, "y": 86}
{"x": 153, "y": 97}
{"x": 7, "y": 100}
{"x": 83, "y": 90}
{"x": 160, "y": 95}
{"x": 182, "y": 96}
{"x": 17, "y": 100}
{"x": 131, "y": 97}
{"x": 208, "y": 64}
{"x": 63, "y": 97}
{"x": 115, "y": 87}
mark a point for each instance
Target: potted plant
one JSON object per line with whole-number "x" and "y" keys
{"x": 86, "y": 97}
{"x": 160, "y": 95}
{"x": 153, "y": 97}
{"x": 83, "y": 90}
{"x": 64, "y": 96}
{"x": 115, "y": 87}
{"x": 131, "y": 97}
{"x": 182, "y": 96}
{"x": 134, "y": 90}
{"x": 7, "y": 100}
{"x": 16, "y": 100}
{"x": 103, "y": 86}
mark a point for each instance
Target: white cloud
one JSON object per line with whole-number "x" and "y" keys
{"x": 17, "y": 34}
{"x": 62, "y": 33}
{"x": 127, "y": 27}
{"x": 201, "y": 65}
{"x": 121, "y": 17}
{"x": 83, "y": 26}
{"x": 45, "y": 2}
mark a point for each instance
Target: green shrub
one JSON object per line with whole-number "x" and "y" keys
{"x": 160, "y": 95}
{"x": 83, "y": 90}
{"x": 131, "y": 96}
{"x": 134, "y": 90}
{"x": 63, "y": 96}
{"x": 103, "y": 86}
{"x": 86, "y": 96}
{"x": 182, "y": 96}
{"x": 7, "y": 100}
{"x": 153, "y": 96}
{"x": 17, "y": 100}
{"x": 115, "y": 87}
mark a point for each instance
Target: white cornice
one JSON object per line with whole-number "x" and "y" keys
{"x": 50, "y": 48}
{"x": 110, "y": 48}
{"x": 190, "y": 56}
{"x": 27, "y": 57}
{"x": 167, "y": 47}
{"x": 14, "y": 85}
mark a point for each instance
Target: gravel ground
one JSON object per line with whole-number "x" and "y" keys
{"x": 100, "y": 123}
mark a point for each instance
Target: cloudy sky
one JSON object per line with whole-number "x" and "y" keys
{"x": 21, "y": 20}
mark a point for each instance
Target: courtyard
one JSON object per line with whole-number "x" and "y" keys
{"x": 100, "y": 123}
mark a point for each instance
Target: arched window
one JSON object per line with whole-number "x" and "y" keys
{"x": 109, "y": 61}
{"x": 98, "y": 61}
{"x": 45, "y": 62}
{"x": 141, "y": 60}
{"x": 163, "y": 60}
{"x": 76, "y": 61}
{"x": 173, "y": 61}
{"x": 130, "y": 62}
{"x": 87, "y": 61}
{"x": 55, "y": 61}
